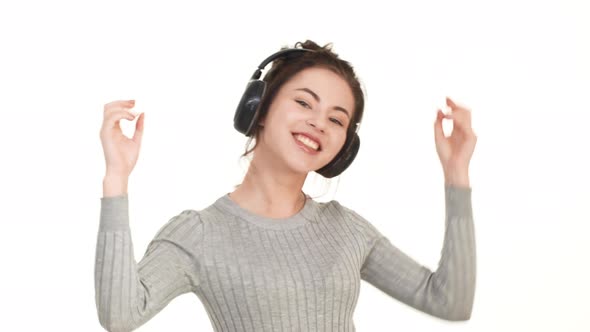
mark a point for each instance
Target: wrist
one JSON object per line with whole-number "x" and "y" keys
{"x": 457, "y": 178}
{"x": 114, "y": 185}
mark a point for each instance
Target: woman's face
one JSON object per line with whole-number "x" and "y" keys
{"x": 306, "y": 123}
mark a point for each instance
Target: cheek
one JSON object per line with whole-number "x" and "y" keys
{"x": 282, "y": 113}
{"x": 339, "y": 141}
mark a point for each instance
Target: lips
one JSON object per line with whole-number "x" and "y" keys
{"x": 307, "y": 142}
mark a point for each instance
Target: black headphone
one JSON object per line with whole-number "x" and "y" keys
{"x": 248, "y": 112}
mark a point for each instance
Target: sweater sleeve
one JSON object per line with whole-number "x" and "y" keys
{"x": 127, "y": 293}
{"x": 448, "y": 292}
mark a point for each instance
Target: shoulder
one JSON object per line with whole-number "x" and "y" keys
{"x": 185, "y": 223}
{"x": 197, "y": 218}
{"x": 352, "y": 217}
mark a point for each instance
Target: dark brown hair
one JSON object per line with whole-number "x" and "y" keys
{"x": 285, "y": 68}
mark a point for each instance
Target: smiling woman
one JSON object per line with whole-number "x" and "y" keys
{"x": 267, "y": 256}
{"x": 294, "y": 113}
{"x": 293, "y": 67}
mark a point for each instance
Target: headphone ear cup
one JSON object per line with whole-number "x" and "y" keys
{"x": 343, "y": 159}
{"x": 247, "y": 111}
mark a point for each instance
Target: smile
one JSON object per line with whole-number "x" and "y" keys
{"x": 307, "y": 144}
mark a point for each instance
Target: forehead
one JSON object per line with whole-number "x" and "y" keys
{"x": 328, "y": 85}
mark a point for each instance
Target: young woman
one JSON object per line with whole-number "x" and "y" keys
{"x": 267, "y": 257}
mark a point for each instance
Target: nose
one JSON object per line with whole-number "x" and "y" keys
{"x": 318, "y": 122}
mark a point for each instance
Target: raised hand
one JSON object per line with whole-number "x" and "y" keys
{"x": 120, "y": 152}
{"x": 455, "y": 151}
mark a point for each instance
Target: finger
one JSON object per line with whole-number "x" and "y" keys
{"x": 139, "y": 129}
{"x": 117, "y": 109}
{"x": 461, "y": 120}
{"x": 450, "y": 103}
{"x": 118, "y": 105}
{"x": 113, "y": 118}
{"x": 438, "y": 129}
{"x": 129, "y": 103}
{"x": 454, "y": 105}
{"x": 462, "y": 127}
{"x": 121, "y": 102}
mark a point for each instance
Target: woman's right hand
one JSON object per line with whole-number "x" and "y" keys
{"x": 120, "y": 152}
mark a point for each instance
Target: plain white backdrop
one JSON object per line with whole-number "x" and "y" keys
{"x": 522, "y": 67}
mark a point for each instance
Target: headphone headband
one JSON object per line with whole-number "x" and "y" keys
{"x": 279, "y": 54}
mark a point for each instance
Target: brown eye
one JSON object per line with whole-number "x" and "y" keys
{"x": 302, "y": 103}
{"x": 337, "y": 122}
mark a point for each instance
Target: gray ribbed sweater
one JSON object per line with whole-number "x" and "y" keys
{"x": 253, "y": 273}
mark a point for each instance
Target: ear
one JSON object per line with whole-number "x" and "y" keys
{"x": 262, "y": 121}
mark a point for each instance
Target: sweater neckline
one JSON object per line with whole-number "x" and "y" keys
{"x": 303, "y": 216}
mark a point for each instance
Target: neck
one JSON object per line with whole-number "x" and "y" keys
{"x": 270, "y": 191}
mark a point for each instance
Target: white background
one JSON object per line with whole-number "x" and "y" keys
{"x": 522, "y": 67}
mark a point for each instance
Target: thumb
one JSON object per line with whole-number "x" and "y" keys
{"x": 438, "y": 129}
{"x": 138, "y": 129}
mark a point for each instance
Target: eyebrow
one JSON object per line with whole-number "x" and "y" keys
{"x": 317, "y": 98}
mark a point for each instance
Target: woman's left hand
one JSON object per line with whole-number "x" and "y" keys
{"x": 455, "y": 151}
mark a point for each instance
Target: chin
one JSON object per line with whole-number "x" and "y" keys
{"x": 299, "y": 161}
{"x": 301, "y": 167}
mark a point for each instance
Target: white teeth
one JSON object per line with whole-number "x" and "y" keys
{"x": 308, "y": 142}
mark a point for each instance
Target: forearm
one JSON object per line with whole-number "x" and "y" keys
{"x": 129, "y": 293}
{"x": 446, "y": 293}
{"x": 115, "y": 267}
{"x": 455, "y": 277}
